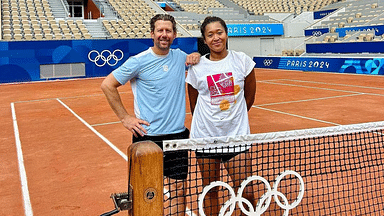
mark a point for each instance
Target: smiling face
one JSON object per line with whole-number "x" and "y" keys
{"x": 216, "y": 37}
{"x": 163, "y": 36}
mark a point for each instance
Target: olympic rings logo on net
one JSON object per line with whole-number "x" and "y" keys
{"x": 265, "y": 198}
{"x": 267, "y": 62}
{"x": 105, "y": 57}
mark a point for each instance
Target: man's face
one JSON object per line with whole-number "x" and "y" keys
{"x": 163, "y": 35}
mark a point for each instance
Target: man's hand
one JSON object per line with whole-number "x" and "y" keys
{"x": 192, "y": 59}
{"x": 134, "y": 125}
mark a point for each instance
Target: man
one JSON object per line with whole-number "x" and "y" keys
{"x": 157, "y": 77}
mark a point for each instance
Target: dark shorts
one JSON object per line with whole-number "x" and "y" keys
{"x": 223, "y": 157}
{"x": 175, "y": 162}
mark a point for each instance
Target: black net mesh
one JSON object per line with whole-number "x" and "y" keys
{"x": 341, "y": 174}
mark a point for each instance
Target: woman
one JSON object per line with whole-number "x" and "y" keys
{"x": 221, "y": 91}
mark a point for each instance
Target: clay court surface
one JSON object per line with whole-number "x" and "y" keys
{"x": 73, "y": 148}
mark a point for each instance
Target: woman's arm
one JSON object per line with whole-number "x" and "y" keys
{"x": 193, "y": 94}
{"x": 250, "y": 89}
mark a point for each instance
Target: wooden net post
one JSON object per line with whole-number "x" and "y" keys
{"x": 145, "y": 175}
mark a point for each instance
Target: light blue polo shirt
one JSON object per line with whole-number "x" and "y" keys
{"x": 158, "y": 85}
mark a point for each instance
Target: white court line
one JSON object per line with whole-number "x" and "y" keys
{"x": 107, "y": 123}
{"x": 95, "y": 131}
{"x": 307, "y": 100}
{"x": 311, "y": 87}
{"x": 303, "y": 117}
{"x": 72, "y": 97}
{"x": 334, "y": 84}
{"x": 328, "y": 89}
{"x": 353, "y": 93}
{"x": 187, "y": 211}
{"x": 23, "y": 175}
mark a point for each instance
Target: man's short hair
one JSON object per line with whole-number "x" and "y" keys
{"x": 165, "y": 17}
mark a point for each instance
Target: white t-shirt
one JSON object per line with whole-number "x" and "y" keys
{"x": 221, "y": 109}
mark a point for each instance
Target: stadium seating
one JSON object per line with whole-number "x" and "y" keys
{"x": 33, "y": 19}
{"x": 134, "y": 14}
{"x": 260, "y": 7}
{"x": 356, "y": 14}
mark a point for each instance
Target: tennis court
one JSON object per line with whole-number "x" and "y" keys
{"x": 72, "y": 151}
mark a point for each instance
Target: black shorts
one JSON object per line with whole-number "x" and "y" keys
{"x": 223, "y": 157}
{"x": 175, "y": 162}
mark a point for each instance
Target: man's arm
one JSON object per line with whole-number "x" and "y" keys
{"x": 193, "y": 94}
{"x": 250, "y": 89}
{"x": 133, "y": 124}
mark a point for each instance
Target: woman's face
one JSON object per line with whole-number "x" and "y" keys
{"x": 216, "y": 37}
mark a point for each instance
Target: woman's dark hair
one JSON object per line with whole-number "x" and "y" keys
{"x": 165, "y": 17}
{"x": 211, "y": 19}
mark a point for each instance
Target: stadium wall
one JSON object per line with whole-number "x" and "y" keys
{"x": 374, "y": 66}
{"x": 24, "y": 61}
{"x": 255, "y": 46}
{"x": 256, "y": 39}
{"x": 92, "y": 10}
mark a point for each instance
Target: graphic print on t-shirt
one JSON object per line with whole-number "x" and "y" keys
{"x": 221, "y": 89}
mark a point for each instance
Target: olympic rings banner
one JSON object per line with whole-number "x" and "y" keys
{"x": 20, "y": 61}
{"x": 316, "y": 32}
{"x": 374, "y": 66}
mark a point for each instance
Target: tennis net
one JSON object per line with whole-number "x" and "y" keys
{"x": 323, "y": 171}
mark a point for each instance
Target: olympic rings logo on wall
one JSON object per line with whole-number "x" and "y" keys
{"x": 317, "y": 33}
{"x": 105, "y": 57}
{"x": 266, "y": 198}
{"x": 267, "y": 62}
